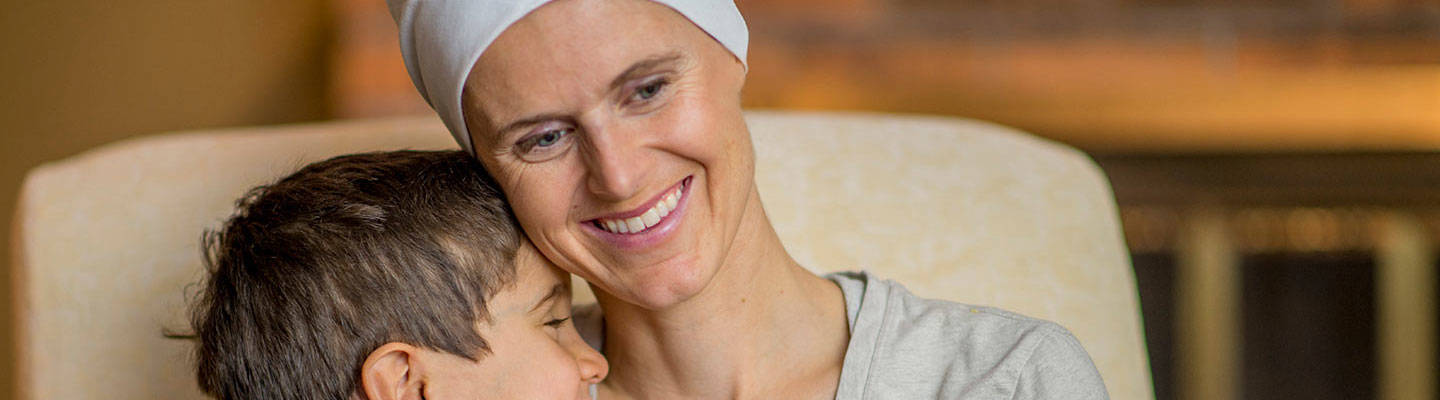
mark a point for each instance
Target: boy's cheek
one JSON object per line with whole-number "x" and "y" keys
{"x": 533, "y": 364}
{"x": 454, "y": 377}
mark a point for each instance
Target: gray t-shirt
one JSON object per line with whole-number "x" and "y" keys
{"x": 906, "y": 347}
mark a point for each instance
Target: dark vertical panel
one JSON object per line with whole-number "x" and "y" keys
{"x": 1155, "y": 278}
{"x": 1309, "y": 326}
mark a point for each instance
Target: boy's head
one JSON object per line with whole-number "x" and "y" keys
{"x": 381, "y": 276}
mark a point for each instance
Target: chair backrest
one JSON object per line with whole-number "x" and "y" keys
{"x": 107, "y": 242}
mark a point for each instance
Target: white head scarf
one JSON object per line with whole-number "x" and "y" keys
{"x": 442, "y": 39}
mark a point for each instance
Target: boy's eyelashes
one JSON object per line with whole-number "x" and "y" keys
{"x": 557, "y": 322}
{"x": 559, "y": 311}
{"x": 553, "y": 308}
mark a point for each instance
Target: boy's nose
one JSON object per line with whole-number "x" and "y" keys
{"x": 593, "y": 366}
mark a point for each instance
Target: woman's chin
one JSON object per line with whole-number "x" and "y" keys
{"x": 663, "y": 287}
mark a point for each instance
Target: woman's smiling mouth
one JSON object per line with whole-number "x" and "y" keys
{"x": 647, "y": 217}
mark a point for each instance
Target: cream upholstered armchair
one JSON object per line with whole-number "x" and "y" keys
{"x": 107, "y": 242}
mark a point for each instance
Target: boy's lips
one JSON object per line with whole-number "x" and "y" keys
{"x": 647, "y": 216}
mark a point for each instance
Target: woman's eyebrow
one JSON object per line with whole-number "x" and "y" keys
{"x": 643, "y": 66}
{"x": 531, "y": 120}
{"x": 555, "y": 292}
{"x": 634, "y": 71}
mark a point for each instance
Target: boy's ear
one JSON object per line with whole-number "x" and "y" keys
{"x": 391, "y": 372}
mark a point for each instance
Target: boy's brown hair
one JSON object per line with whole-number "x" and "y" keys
{"x": 318, "y": 269}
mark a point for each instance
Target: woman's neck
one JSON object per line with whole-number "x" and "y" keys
{"x": 764, "y": 327}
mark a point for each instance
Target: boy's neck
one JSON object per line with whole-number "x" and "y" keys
{"x": 764, "y": 327}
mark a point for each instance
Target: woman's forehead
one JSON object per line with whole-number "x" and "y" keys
{"x": 573, "y": 51}
{"x": 583, "y": 35}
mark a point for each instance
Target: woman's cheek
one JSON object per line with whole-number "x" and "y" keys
{"x": 539, "y": 194}
{"x": 688, "y": 128}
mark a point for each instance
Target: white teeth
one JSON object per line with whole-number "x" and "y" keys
{"x": 672, "y": 199}
{"x": 636, "y": 224}
{"x": 650, "y": 218}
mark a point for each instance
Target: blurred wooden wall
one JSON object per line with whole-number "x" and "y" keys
{"x": 1119, "y": 75}
{"x": 1104, "y": 75}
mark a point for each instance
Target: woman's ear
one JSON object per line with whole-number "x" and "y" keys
{"x": 391, "y": 372}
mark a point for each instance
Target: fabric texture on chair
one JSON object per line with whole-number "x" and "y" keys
{"x": 107, "y": 242}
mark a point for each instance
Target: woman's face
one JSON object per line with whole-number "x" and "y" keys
{"x": 614, "y": 127}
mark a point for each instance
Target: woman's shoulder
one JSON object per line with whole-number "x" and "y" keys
{"x": 946, "y": 348}
{"x": 895, "y": 308}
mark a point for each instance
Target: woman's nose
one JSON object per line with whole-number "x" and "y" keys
{"x": 615, "y": 162}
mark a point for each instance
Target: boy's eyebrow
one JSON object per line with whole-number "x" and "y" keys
{"x": 555, "y": 292}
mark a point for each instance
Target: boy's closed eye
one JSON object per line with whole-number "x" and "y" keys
{"x": 554, "y": 306}
{"x": 557, "y": 322}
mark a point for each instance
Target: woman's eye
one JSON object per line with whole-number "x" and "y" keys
{"x": 548, "y": 138}
{"x": 649, "y": 90}
{"x": 541, "y": 146}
